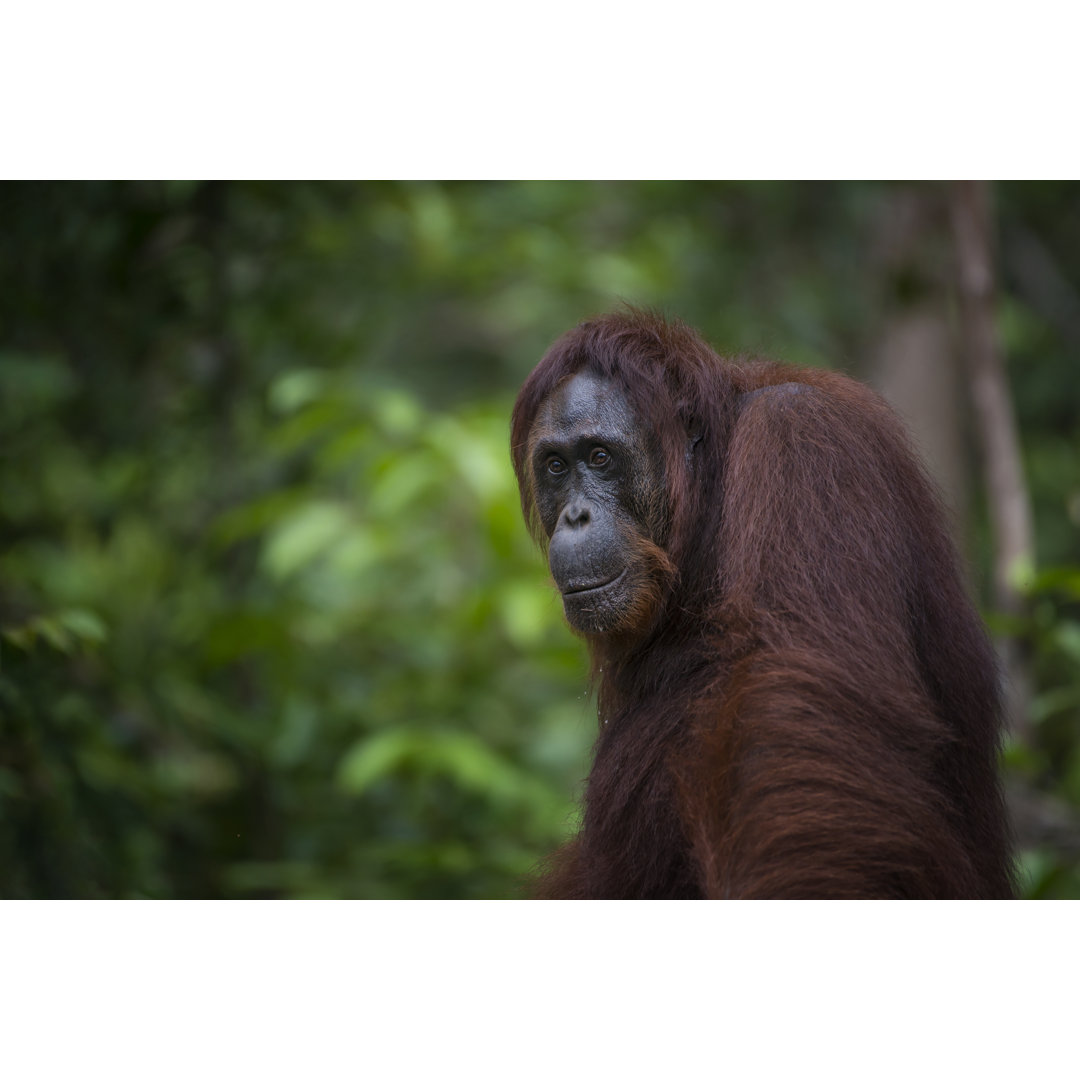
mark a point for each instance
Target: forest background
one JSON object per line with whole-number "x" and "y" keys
{"x": 271, "y": 623}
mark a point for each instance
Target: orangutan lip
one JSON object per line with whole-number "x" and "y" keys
{"x": 596, "y": 588}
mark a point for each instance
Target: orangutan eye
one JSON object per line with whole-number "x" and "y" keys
{"x": 599, "y": 457}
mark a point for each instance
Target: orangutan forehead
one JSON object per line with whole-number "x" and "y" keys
{"x": 586, "y": 405}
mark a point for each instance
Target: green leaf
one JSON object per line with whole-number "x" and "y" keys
{"x": 294, "y": 389}
{"x": 468, "y": 762}
{"x": 85, "y": 625}
{"x": 304, "y": 536}
{"x": 527, "y": 610}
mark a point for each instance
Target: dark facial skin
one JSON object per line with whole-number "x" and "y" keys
{"x": 596, "y": 481}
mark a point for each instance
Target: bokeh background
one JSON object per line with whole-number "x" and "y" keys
{"x": 271, "y": 623}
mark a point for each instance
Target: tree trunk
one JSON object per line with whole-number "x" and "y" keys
{"x": 1007, "y": 495}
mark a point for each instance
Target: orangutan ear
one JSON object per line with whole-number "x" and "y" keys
{"x": 695, "y": 432}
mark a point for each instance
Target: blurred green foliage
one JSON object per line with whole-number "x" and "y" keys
{"x": 271, "y": 623}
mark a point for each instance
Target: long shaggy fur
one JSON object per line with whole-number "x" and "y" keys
{"x": 809, "y": 706}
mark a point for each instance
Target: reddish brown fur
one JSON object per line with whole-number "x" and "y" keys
{"x": 809, "y": 707}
